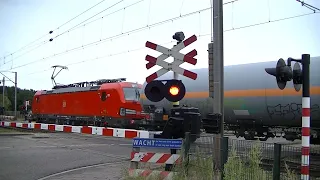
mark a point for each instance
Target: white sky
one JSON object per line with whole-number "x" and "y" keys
{"x": 23, "y": 21}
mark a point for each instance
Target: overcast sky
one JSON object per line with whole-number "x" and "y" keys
{"x": 23, "y": 21}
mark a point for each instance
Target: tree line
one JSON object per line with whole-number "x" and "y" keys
{"x": 22, "y": 96}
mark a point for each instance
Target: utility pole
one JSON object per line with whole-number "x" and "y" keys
{"x": 218, "y": 66}
{"x": 15, "y": 89}
{"x": 3, "y": 87}
{"x": 216, "y": 73}
{"x": 15, "y": 94}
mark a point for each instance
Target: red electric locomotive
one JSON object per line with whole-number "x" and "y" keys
{"x": 107, "y": 102}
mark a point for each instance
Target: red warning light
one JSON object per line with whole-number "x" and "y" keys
{"x": 174, "y": 90}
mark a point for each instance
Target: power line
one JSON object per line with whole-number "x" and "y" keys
{"x": 36, "y": 47}
{"x": 270, "y": 21}
{"x": 78, "y": 25}
{"x": 89, "y": 18}
{"x": 114, "y": 37}
{"x": 50, "y": 32}
{"x": 202, "y": 35}
{"x": 154, "y": 25}
{"x": 104, "y": 56}
{"x": 10, "y": 54}
{"x": 110, "y": 55}
{"x": 314, "y": 9}
{"x": 79, "y": 14}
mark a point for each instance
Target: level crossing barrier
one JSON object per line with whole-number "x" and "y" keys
{"x": 154, "y": 157}
{"x": 102, "y": 131}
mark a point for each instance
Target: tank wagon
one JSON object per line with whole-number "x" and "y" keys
{"x": 106, "y": 102}
{"x": 254, "y": 105}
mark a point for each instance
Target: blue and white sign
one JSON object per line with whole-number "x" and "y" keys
{"x": 157, "y": 143}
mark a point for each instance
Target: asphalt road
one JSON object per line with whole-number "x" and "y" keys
{"x": 68, "y": 156}
{"x": 62, "y": 155}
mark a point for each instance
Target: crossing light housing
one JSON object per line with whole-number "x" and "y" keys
{"x": 173, "y": 90}
{"x": 154, "y": 91}
{"x": 179, "y": 36}
{"x": 282, "y": 72}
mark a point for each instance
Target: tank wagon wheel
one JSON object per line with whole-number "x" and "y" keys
{"x": 263, "y": 138}
{"x": 249, "y": 135}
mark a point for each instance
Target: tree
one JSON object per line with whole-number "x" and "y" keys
{"x": 7, "y": 102}
{"x": 22, "y": 96}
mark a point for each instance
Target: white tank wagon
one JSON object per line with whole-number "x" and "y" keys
{"x": 253, "y": 101}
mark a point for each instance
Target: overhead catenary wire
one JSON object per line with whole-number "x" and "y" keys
{"x": 159, "y": 23}
{"x": 79, "y": 25}
{"x": 82, "y": 25}
{"x": 271, "y": 21}
{"x": 118, "y": 10}
{"x": 36, "y": 47}
{"x": 200, "y": 35}
{"x": 113, "y": 37}
{"x": 96, "y": 58}
{"x": 139, "y": 29}
{"x": 88, "y": 19}
{"x": 50, "y": 32}
{"x": 110, "y": 55}
{"x": 314, "y": 9}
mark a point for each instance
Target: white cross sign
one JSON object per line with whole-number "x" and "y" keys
{"x": 174, "y": 66}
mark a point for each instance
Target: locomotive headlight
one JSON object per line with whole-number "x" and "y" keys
{"x": 122, "y": 111}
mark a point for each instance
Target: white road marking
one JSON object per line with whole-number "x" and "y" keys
{"x": 81, "y": 168}
{"x": 63, "y": 145}
{"x": 125, "y": 144}
{"x": 5, "y": 148}
{"x": 74, "y": 145}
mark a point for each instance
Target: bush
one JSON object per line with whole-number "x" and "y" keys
{"x": 200, "y": 167}
{"x": 236, "y": 168}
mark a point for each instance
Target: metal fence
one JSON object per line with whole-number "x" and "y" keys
{"x": 11, "y": 113}
{"x": 248, "y": 160}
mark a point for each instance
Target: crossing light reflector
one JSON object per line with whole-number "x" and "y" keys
{"x": 282, "y": 72}
{"x": 173, "y": 90}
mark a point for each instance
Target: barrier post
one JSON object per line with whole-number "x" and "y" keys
{"x": 133, "y": 164}
{"x": 151, "y": 157}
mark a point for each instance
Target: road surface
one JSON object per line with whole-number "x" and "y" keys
{"x": 35, "y": 157}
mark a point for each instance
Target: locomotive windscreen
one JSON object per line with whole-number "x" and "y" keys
{"x": 131, "y": 94}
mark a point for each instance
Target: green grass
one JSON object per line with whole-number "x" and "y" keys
{"x": 200, "y": 167}
{"x": 7, "y": 130}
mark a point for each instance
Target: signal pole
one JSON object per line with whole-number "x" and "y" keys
{"x": 284, "y": 73}
{"x": 305, "y": 116}
{"x": 305, "y": 130}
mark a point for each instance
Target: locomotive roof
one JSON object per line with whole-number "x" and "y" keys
{"x": 104, "y": 86}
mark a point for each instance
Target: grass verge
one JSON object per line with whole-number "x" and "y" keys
{"x": 7, "y": 130}
{"x": 200, "y": 167}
